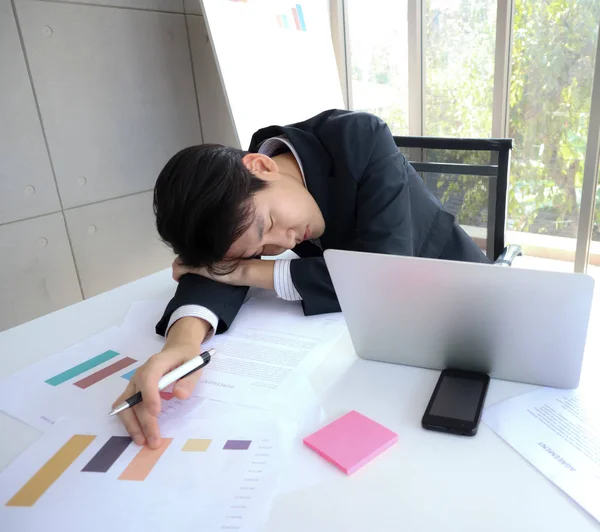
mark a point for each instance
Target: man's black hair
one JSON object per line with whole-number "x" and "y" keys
{"x": 203, "y": 203}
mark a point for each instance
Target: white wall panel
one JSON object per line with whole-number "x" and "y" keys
{"x": 173, "y": 6}
{"x": 27, "y": 185}
{"x": 116, "y": 94}
{"x": 217, "y": 125}
{"x": 37, "y": 274}
{"x": 116, "y": 242}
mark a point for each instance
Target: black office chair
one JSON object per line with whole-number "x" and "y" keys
{"x": 470, "y": 178}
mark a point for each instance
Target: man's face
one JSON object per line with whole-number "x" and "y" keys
{"x": 285, "y": 215}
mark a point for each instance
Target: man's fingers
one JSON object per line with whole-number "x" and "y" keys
{"x": 149, "y": 425}
{"x": 141, "y": 421}
{"x": 147, "y": 383}
{"x": 176, "y": 272}
{"x": 134, "y": 429}
{"x": 184, "y": 387}
{"x": 128, "y": 417}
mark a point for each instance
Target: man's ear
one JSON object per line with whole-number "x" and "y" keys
{"x": 258, "y": 164}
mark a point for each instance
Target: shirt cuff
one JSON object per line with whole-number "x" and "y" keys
{"x": 282, "y": 279}
{"x": 195, "y": 311}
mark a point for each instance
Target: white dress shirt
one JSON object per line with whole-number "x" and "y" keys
{"x": 282, "y": 277}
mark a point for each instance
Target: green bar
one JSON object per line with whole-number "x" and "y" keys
{"x": 81, "y": 368}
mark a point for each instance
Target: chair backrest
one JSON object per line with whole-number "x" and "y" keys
{"x": 470, "y": 178}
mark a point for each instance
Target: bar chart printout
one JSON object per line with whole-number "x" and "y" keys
{"x": 80, "y": 381}
{"x": 296, "y": 14}
{"x": 80, "y": 469}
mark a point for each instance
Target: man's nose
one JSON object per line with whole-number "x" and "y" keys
{"x": 291, "y": 239}
{"x": 286, "y": 239}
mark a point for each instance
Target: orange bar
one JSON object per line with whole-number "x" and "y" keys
{"x": 50, "y": 472}
{"x": 143, "y": 462}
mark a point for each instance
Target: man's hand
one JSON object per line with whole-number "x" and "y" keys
{"x": 249, "y": 272}
{"x": 234, "y": 278}
{"x": 183, "y": 344}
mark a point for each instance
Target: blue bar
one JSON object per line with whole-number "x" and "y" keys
{"x": 81, "y": 368}
{"x": 129, "y": 374}
{"x": 301, "y": 17}
{"x": 285, "y": 22}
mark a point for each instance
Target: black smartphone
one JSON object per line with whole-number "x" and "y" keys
{"x": 457, "y": 402}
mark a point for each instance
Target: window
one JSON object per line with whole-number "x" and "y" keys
{"x": 379, "y": 60}
{"x": 459, "y": 63}
{"x": 553, "y": 55}
{"x": 458, "y": 49}
{"x": 458, "y": 46}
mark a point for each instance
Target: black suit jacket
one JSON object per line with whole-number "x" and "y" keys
{"x": 371, "y": 199}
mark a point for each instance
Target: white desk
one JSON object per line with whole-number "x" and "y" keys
{"x": 427, "y": 482}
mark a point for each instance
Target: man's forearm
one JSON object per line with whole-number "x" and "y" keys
{"x": 258, "y": 273}
{"x": 187, "y": 331}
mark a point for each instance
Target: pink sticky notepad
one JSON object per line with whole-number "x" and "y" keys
{"x": 351, "y": 441}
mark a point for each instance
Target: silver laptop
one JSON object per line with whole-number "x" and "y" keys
{"x": 515, "y": 324}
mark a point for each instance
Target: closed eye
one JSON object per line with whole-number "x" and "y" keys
{"x": 261, "y": 251}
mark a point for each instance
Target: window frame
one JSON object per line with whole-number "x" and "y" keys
{"x": 500, "y": 106}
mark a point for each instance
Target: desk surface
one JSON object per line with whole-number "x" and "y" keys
{"x": 427, "y": 482}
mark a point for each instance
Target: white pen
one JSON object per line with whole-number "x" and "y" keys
{"x": 182, "y": 371}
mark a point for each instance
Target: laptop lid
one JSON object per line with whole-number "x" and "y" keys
{"x": 515, "y": 324}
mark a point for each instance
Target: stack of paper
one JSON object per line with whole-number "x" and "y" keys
{"x": 256, "y": 383}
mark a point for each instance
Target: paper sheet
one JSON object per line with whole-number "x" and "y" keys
{"x": 558, "y": 431}
{"x": 301, "y": 412}
{"x": 207, "y": 476}
{"x": 28, "y": 396}
{"x": 269, "y": 348}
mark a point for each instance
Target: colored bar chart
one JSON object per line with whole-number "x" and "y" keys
{"x": 297, "y": 15}
{"x": 51, "y": 471}
{"x": 103, "y": 460}
{"x": 77, "y": 370}
{"x": 196, "y": 445}
{"x": 300, "y": 14}
{"x": 143, "y": 462}
{"x": 237, "y": 445}
{"x": 104, "y": 372}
